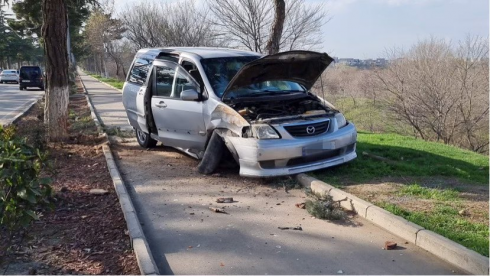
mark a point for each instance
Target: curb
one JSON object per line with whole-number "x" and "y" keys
{"x": 140, "y": 246}
{"x": 434, "y": 243}
{"x": 23, "y": 112}
{"x": 141, "y": 249}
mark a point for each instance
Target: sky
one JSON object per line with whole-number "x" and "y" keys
{"x": 367, "y": 28}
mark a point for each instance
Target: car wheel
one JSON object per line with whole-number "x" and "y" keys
{"x": 212, "y": 155}
{"x": 145, "y": 140}
{"x": 21, "y": 88}
{"x": 42, "y": 88}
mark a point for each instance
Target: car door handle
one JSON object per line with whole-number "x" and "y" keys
{"x": 161, "y": 104}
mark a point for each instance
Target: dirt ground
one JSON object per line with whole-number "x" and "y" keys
{"x": 85, "y": 233}
{"x": 473, "y": 199}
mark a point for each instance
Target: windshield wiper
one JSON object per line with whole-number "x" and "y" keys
{"x": 268, "y": 93}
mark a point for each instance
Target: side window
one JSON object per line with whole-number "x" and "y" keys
{"x": 164, "y": 78}
{"x": 139, "y": 71}
{"x": 182, "y": 82}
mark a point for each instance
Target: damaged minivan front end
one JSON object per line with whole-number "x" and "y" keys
{"x": 286, "y": 133}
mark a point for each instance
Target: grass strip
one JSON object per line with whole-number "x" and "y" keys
{"x": 411, "y": 157}
{"x": 446, "y": 221}
{"x": 114, "y": 82}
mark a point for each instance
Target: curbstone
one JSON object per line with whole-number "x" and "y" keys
{"x": 452, "y": 252}
{"x": 145, "y": 261}
{"x": 436, "y": 244}
{"x": 316, "y": 186}
{"x": 24, "y": 110}
{"x": 395, "y": 224}
{"x": 352, "y": 203}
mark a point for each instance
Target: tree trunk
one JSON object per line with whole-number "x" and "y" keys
{"x": 57, "y": 86}
{"x": 124, "y": 71}
{"x": 276, "y": 32}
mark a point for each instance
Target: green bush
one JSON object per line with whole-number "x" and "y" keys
{"x": 22, "y": 189}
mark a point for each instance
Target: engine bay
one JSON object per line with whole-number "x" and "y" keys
{"x": 264, "y": 111}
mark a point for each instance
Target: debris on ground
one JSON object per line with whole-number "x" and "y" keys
{"x": 463, "y": 212}
{"x": 380, "y": 158}
{"x": 340, "y": 272}
{"x": 324, "y": 207}
{"x": 389, "y": 245}
{"x": 225, "y": 200}
{"x": 300, "y": 205}
{"x": 217, "y": 210}
{"x": 98, "y": 192}
{"x": 291, "y": 228}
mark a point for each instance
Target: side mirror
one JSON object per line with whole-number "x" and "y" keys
{"x": 189, "y": 95}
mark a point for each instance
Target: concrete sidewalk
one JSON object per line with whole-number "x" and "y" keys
{"x": 107, "y": 102}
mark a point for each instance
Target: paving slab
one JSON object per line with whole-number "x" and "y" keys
{"x": 108, "y": 103}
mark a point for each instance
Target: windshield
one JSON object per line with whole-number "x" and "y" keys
{"x": 220, "y": 71}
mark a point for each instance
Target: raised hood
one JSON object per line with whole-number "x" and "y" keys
{"x": 303, "y": 67}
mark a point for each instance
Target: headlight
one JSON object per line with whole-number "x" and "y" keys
{"x": 341, "y": 122}
{"x": 264, "y": 131}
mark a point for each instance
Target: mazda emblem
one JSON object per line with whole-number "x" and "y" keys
{"x": 310, "y": 129}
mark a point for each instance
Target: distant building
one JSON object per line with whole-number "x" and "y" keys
{"x": 361, "y": 63}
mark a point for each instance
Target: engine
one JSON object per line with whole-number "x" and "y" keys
{"x": 258, "y": 111}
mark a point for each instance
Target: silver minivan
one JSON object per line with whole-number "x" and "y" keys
{"x": 206, "y": 101}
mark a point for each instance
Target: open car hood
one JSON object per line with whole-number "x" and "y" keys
{"x": 303, "y": 67}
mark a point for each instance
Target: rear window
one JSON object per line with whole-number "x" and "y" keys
{"x": 30, "y": 72}
{"x": 9, "y": 72}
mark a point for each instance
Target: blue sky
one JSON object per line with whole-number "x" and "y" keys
{"x": 366, "y": 28}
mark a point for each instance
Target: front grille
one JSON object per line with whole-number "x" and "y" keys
{"x": 305, "y": 130}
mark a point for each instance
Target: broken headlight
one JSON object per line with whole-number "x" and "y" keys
{"x": 341, "y": 121}
{"x": 264, "y": 131}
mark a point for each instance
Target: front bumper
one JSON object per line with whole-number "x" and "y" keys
{"x": 266, "y": 158}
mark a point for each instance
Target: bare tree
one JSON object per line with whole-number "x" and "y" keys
{"x": 152, "y": 24}
{"x": 249, "y": 23}
{"x": 277, "y": 27}
{"x": 102, "y": 33}
{"x": 473, "y": 75}
{"x": 440, "y": 91}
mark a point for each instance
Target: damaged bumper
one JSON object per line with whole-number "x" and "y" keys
{"x": 276, "y": 157}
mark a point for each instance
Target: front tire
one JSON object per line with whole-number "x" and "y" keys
{"x": 212, "y": 155}
{"x": 145, "y": 140}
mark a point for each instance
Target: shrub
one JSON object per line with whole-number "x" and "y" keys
{"x": 22, "y": 189}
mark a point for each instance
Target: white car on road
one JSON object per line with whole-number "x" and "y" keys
{"x": 9, "y": 76}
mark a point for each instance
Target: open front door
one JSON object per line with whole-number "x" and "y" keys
{"x": 179, "y": 123}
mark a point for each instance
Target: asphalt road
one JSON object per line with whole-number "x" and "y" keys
{"x": 14, "y": 102}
